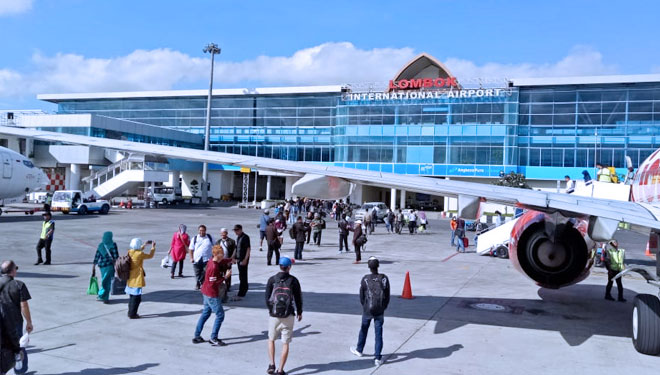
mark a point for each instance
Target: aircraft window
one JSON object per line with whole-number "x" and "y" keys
{"x": 28, "y": 163}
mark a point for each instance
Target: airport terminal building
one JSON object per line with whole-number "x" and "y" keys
{"x": 424, "y": 121}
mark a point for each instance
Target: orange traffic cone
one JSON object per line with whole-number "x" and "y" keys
{"x": 407, "y": 289}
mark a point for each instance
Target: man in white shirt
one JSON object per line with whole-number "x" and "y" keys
{"x": 201, "y": 250}
{"x": 570, "y": 185}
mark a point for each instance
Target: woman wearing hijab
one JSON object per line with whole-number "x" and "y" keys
{"x": 135, "y": 281}
{"x": 587, "y": 178}
{"x": 179, "y": 249}
{"x": 106, "y": 254}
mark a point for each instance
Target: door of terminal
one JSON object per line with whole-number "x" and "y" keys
{"x": 6, "y": 165}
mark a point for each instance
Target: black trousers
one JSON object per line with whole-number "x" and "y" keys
{"x": 297, "y": 254}
{"x": 180, "y": 263}
{"x": 133, "y": 304}
{"x": 343, "y": 242}
{"x": 309, "y": 234}
{"x": 412, "y": 226}
{"x": 40, "y": 245}
{"x": 200, "y": 270}
{"x": 243, "y": 278}
{"x": 269, "y": 255}
{"x": 619, "y": 284}
{"x": 358, "y": 255}
{"x": 317, "y": 238}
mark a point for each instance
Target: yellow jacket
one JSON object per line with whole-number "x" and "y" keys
{"x": 136, "y": 276}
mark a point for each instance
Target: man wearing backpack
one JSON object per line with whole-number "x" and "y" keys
{"x": 374, "y": 297}
{"x": 200, "y": 252}
{"x": 282, "y": 291}
{"x": 460, "y": 235}
{"x": 273, "y": 242}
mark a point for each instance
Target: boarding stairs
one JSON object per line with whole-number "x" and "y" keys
{"x": 127, "y": 173}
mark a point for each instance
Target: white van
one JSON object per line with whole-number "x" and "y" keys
{"x": 165, "y": 195}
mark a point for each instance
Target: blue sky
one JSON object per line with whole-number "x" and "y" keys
{"x": 53, "y": 46}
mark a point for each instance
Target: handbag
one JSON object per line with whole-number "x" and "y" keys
{"x": 93, "y": 288}
{"x": 117, "y": 286}
{"x": 166, "y": 261}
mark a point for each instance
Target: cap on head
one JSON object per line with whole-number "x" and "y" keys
{"x": 224, "y": 230}
{"x": 347, "y": 218}
{"x": 266, "y": 212}
{"x": 358, "y": 221}
{"x": 614, "y": 243}
{"x": 373, "y": 262}
{"x": 317, "y": 216}
{"x": 454, "y": 218}
{"x": 285, "y": 262}
{"x": 136, "y": 244}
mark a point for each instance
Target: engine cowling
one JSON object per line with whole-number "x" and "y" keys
{"x": 551, "y": 249}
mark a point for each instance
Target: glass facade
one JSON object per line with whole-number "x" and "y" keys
{"x": 545, "y": 132}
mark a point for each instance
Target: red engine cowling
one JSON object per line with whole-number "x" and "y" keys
{"x": 551, "y": 249}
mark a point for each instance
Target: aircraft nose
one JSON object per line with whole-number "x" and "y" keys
{"x": 41, "y": 181}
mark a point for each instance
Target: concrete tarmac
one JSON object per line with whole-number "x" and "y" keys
{"x": 470, "y": 315}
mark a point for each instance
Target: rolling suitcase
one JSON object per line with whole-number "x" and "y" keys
{"x": 466, "y": 243}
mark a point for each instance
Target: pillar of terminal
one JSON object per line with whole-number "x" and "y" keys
{"x": 393, "y": 200}
{"x": 74, "y": 177}
{"x": 402, "y": 201}
{"x": 268, "y": 184}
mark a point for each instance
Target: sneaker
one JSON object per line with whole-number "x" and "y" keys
{"x": 355, "y": 351}
{"x": 281, "y": 372}
{"x": 217, "y": 342}
{"x": 38, "y": 262}
{"x": 198, "y": 340}
{"x": 609, "y": 298}
{"x": 378, "y": 362}
{"x": 621, "y": 299}
{"x": 271, "y": 369}
{"x": 47, "y": 263}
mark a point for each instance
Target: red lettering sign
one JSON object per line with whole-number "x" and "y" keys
{"x": 417, "y": 83}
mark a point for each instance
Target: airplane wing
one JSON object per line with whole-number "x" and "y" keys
{"x": 469, "y": 194}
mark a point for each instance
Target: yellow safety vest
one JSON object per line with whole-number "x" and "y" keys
{"x": 45, "y": 227}
{"x": 604, "y": 175}
{"x": 616, "y": 259}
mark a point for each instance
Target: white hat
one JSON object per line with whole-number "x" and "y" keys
{"x": 358, "y": 221}
{"x": 136, "y": 244}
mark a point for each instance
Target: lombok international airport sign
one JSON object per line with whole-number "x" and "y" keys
{"x": 425, "y": 94}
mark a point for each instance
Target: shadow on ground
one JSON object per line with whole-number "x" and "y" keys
{"x": 109, "y": 371}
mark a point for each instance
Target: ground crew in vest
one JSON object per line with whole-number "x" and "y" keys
{"x": 603, "y": 174}
{"x": 614, "y": 258}
{"x": 46, "y": 238}
{"x": 374, "y": 297}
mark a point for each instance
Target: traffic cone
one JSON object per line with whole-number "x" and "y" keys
{"x": 407, "y": 289}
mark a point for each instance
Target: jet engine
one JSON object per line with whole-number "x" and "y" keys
{"x": 551, "y": 249}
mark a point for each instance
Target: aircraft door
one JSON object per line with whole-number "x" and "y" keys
{"x": 6, "y": 165}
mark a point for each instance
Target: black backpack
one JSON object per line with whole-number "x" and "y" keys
{"x": 281, "y": 298}
{"x": 375, "y": 301}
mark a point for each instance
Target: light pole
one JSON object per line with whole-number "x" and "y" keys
{"x": 213, "y": 49}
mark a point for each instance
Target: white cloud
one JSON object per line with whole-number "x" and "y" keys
{"x": 581, "y": 61}
{"x": 14, "y": 6}
{"x": 328, "y": 63}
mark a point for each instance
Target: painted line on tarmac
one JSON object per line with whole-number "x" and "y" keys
{"x": 449, "y": 257}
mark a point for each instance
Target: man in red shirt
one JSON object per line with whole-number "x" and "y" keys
{"x": 217, "y": 269}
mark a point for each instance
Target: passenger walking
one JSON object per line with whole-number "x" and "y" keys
{"x": 179, "y": 249}
{"x": 14, "y": 297}
{"x": 374, "y": 297}
{"x": 217, "y": 269}
{"x": 263, "y": 223}
{"x": 343, "y": 233}
{"x": 229, "y": 250}
{"x": 422, "y": 221}
{"x": 273, "y": 242}
{"x": 399, "y": 221}
{"x": 453, "y": 224}
{"x": 374, "y": 219}
{"x": 359, "y": 239}
{"x": 389, "y": 221}
{"x": 570, "y": 185}
{"x": 412, "y": 222}
{"x": 499, "y": 219}
{"x": 299, "y": 234}
{"x": 105, "y": 257}
{"x": 308, "y": 223}
{"x": 318, "y": 224}
{"x": 200, "y": 253}
{"x": 460, "y": 238}
{"x": 614, "y": 260}
{"x": 46, "y": 237}
{"x": 242, "y": 259}
{"x": 135, "y": 281}
{"x": 282, "y": 293}
{"x": 630, "y": 176}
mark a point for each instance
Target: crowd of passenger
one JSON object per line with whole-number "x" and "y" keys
{"x": 603, "y": 174}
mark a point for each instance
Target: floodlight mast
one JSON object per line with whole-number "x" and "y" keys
{"x": 213, "y": 49}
